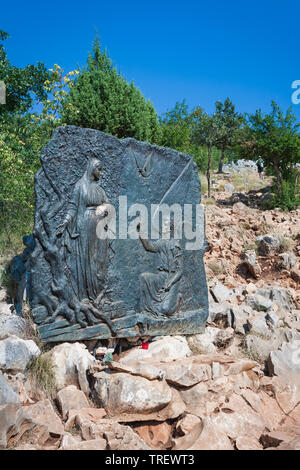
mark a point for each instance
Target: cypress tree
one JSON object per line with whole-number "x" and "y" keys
{"x": 102, "y": 99}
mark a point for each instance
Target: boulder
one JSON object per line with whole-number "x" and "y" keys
{"x": 252, "y": 264}
{"x": 36, "y": 435}
{"x": 13, "y": 420}
{"x": 203, "y": 398}
{"x": 272, "y": 319}
{"x": 165, "y": 349}
{"x": 216, "y": 370}
{"x": 288, "y": 260}
{"x": 224, "y": 338}
{"x": 14, "y": 423}
{"x": 239, "y": 207}
{"x": 288, "y": 397}
{"x": 258, "y": 302}
{"x": 16, "y": 353}
{"x": 266, "y": 406}
{"x": 292, "y": 320}
{"x": 121, "y": 393}
{"x": 219, "y": 314}
{"x": 156, "y": 435}
{"x": 12, "y": 325}
{"x": 89, "y": 414}
{"x": 88, "y": 429}
{"x": 197, "y": 398}
{"x": 131, "y": 398}
{"x": 236, "y": 418}
{"x": 238, "y": 366}
{"x": 148, "y": 371}
{"x": 203, "y": 343}
{"x": 267, "y": 244}
{"x": 6, "y": 309}
{"x": 69, "y": 442}
{"x": 186, "y": 372}
{"x": 258, "y": 326}
{"x": 7, "y": 395}
{"x": 278, "y": 296}
{"x": 228, "y": 188}
{"x": 247, "y": 379}
{"x": 221, "y": 293}
{"x": 70, "y": 398}
{"x": 240, "y": 315}
{"x": 10, "y": 410}
{"x": 211, "y": 438}
{"x": 285, "y": 363}
{"x": 43, "y": 413}
{"x": 21, "y": 386}
{"x": 120, "y": 437}
{"x": 117, "y": 436}
{"x": 248, "y": 443}
{"x": 71, "y": 363}
{"x": 185, "y": 425}
{"x": 210, "y": 340}
{"x": 186, "y": 441}
{"x": 261, "y": 347}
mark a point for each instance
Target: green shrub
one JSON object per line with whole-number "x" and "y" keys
{"x": 289, "y": 197}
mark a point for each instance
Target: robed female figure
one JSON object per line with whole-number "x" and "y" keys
{"x": 85, "y": 254}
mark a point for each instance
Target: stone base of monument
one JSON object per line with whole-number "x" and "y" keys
{"x": 131, "y": 325}
{"x": 119, "y": 230}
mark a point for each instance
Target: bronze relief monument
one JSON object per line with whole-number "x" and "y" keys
{"x": 119, "y": 240}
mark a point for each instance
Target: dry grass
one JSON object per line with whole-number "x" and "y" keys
{"x": 252, "y": 354}
{"x": 285, "y": 243}
{"x": 203, "y": 182}
{"x": 248, "y": 247}
{"x": 208, "y": 201}
{"x": 41, "y": 369}
{"x": 245, "y": 181}
{"x": 218, "y": 267}
{"x": 42, "y": 376}
{"x": 31, "y": 330}
{"x": 264, "y": 228}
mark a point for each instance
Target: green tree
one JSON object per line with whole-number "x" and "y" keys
{"x": 176, "y": 128}
{"x": 177, "y": 133}
{"x": 275, "y": 138}
{"x": 23, "y": 86}
{"x": 21, "y": 140}
{"x": 230, "y": 121}
{"x": 209, "y": 132}
{"x": 22, "y": 135}
{"x": 102, "y": 99}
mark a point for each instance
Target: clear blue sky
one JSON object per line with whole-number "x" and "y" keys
{"x": 200, "y": 51}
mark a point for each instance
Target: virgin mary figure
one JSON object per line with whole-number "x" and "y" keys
{"x": 85, "y": 254}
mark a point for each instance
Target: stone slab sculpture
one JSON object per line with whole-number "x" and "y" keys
{"x": 119, "y": 240}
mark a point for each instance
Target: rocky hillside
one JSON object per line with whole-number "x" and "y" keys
{"x": 235, "y": 387}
